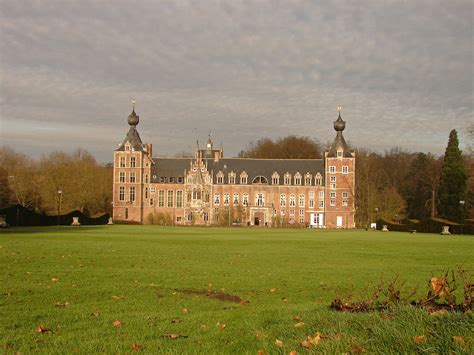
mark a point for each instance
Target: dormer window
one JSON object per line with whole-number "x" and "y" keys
{"x": 307, "y": 179}
{"x": 260, "y": 180}
{"x": 339, "y": 153}
{"x": 275, "y": 178}
{"x": 297, "y": 179}
{"x": 220, "y": 177}
{"x": 231, "y": 178}
{"x": 127, "y": 147}
{"x": 287, "y": 179}
{"x": 318, "y": 179}
{"x": 243, "y": 178}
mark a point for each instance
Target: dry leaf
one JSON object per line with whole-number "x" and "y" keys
{"x": 244, "y": 302}
{"x": 322, "y": 284}
{"x": 55, "y": 279}
{"x": 59, "y": 304}
{"x": 94, "y": 314}
{"x": 184, "y": 310}
{"x": 419, "y": 339}
{"x": 42, "y": 329}
{"x": 278, "y": 343}
{"x": 316, "y": 339}
{"x": 136, "y": 347}
{"x": 296, "y": 318}
{"x": 459, "y": 339}
{"x": 273, "y": 290}
{"x": 293, "y": 352}
{"x": 174, "y": 336}
{"x": 299, "y": 325}
{"x": 220, "y": 325}
{"x": 438, "y": 285}
{"x": 117, "y": 323}
{"x": 306, "y": 344}
{"x": 261, "y": 352}
{"x": 438, "y": 313}
{"x": 116, "y": 297}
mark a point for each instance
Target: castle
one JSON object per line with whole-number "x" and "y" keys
{"x": 212, "y": 190}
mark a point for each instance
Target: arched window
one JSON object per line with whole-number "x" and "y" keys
{"x": 297, "y": 179}
{"x": 275, "y": 178}
{"x": 318, "y": 179}
{"x": 243, "y": 178}
{"x": 260, "y": 180}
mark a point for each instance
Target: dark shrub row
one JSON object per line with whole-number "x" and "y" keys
{"x": 431, "y": 225}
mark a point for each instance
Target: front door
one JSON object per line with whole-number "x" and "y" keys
{"x": 259, "y": 218}
{"x": 339, "y": 222}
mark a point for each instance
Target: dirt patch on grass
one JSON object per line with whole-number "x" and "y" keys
{"x": 220, "y": 296}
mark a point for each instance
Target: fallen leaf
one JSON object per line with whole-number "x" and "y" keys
{"x": 316, "y": 339}
{"x": 117, "y": 323}
{"x": 244, "y": 302}
{"x": 59, "y": 304}
{"x": 176, "y": 320}
{"x": 184, "y": 310}
{"x": 438, "y": 313}
{"x": 299, "y": 325}
{"x": 94, "y": 314}
{"x": 284, "y": 299}
{"x": 220, "y": 325}
{"x": 174, "y": 336}
{"x": 459, "y": 339}
{"x": 136, "y": 347}
{"x": 278, "y": 343}
{"x": 261, "y": 352}
{"x": 116, "y": 297}
{"x": 55, "y": 279}
{"x": 293, "y": 352}
{"x": 306, "y": 344}
{"x": 203, "y": 326}
{"x": 322, "y": 284}
{"x": 273, "y": 289}
{"x": 296, "y": 318}
{"x": 42, "y": 329}
{"x": 419, "y": 339}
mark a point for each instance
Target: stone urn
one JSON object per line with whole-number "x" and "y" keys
{"x": 445, "y": 230}
{"x": 75, "y": 221}
{"x": 384, "y": 228}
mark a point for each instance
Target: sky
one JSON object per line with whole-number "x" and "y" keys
{"x": 242, "y": 70}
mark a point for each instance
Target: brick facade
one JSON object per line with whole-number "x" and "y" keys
{"x": 212, "y": 190}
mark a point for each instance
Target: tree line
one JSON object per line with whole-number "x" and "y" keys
{"x": 72, "y": 181}
{"x": 394, "y": 185}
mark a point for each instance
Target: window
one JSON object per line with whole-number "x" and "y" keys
{"x": 339, "y": 153}
{"x": 318, "y": 179}
{"x": 260, "y": 200}
{"x": 321, "y": 203}
{"x": 345, "y": 203}
{"x": 298, "y": 179}
{"x": 282, "y": 200}
{"x": 178, "y": 219}
{"x": 179, "y": 199}
{"x": 231, "y": 178}
{"x": 243, "y": 178}
{"x": 311, "y": 199}
{"x": 292, "y": 200}
{"x": 220, "y": 177}
{"x": 122, "y": 193}
{"x": 147, "y": 179}
{"x": 171, "y": 179}
{"x": 205, "y": 216}
{"x": 321, "y": 194}
{"x": 217, "y": 199}
{"x": 146, "y": 192}
{"x": 127, "y": 147}
{"x": 132, "y": 162}
{"x": 332, "y": 202}
{"x": 275, "y": 178}
{"x": 132, "y": 193}
{"x": 162, "y": 179}
{"x": 122, "y": 176}
{"x": 122, "y": 162}
{"x": 180, "y": 179}
{"x": 170, "y": 198}
{"x": 196, "y": 194}
{"x": 245, "y": 199}
{"x": 236, "y": 199}
{"x": 151, "y": 202}
{"x": 132, "y": 176}
{"x": 332, "y": 178}
{"x": 345, "y": 169}
{"x": 206, "y": 197}
{"x": 345, "y": 195}
{"x": 332, "y": 169}
{"x": 226, "y": 199}
{"x": 301, "y": 216}
{"x": 307, "y": 179}
{"x": 292, "y": 212}
{"x": 152, "y": 190}
{"x": 287, "y": 179}
{"x": 301, "y": 200}
{"x": 260, "y": 180}
{"x": 332, "y": 194}
{"x": 332, "y": 185}
{"x": 282, "y": 212}
{"x": 161, "y": 198}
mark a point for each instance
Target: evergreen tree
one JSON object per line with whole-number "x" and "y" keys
{"x": 453, "y": 181}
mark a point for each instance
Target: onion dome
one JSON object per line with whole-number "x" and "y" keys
{"x": 133, "y": 118}
{"x": 339, "y": 124}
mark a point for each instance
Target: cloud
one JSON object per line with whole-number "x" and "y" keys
{"x": 402, "y": 70}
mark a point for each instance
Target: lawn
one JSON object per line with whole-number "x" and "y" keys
{"x": 76, "y": 282}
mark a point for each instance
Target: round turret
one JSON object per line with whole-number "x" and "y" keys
{"x": 133, "y": 118}
{"x": 339, "y": 124}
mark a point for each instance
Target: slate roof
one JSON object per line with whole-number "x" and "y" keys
{"x": 134, "y": 138}
{"x": 175, "y": 167}
{"x": 339, "y": 144}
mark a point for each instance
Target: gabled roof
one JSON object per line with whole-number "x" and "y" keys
{"x": 175, "y": 167}
{"x": 133, "y": 138}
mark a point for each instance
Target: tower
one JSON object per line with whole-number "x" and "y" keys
{"x": 339, "y": 180}
{"x": 132, "y": 174}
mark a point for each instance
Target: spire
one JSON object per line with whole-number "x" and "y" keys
{"x": 339, "y": 147}
{"x": 339, "y": 124}
{"x": 132, "y": 137}
{"x": 209, "y": 142}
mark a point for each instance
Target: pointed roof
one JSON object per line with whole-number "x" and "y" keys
{"x": 339, "y": 142}
{"x": 132, "y": 136}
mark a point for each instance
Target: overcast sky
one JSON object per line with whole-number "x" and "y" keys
{"x": 402, "y": 70}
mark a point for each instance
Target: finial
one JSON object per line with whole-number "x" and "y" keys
{"x": 133, "y": 118}
{"x": 133, "y": 105}
{"x": 339, "y": 109}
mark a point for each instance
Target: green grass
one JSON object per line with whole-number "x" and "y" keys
{"x": 132, "y": 274}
